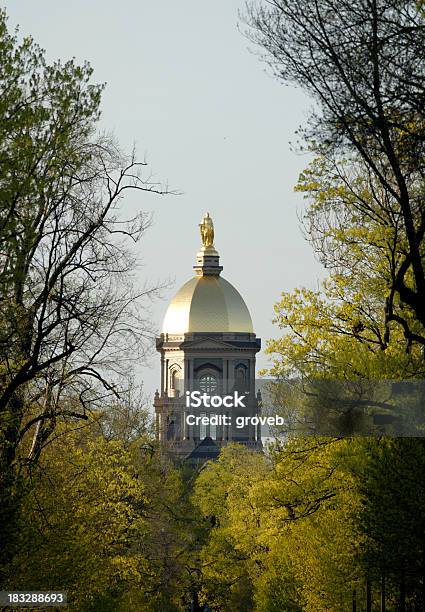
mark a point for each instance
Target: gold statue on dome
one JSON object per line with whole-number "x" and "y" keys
{"x": 207, "y": 231}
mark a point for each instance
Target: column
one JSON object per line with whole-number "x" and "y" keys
{"x": 162, "y": 374}
{"x": 186, "y": 375}
{"x": 228, "y": 428}
{"x": 259, "y": 412}
{"x": 252, "y": 398}
{"x": 191, "y": 373}
{"x": 162, "y": 425}
{"x": 166, "y": 377}
{"x": 185, "y": 430}
{"x": 225, "y": 376}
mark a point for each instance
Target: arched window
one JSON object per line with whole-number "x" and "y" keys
{"x": 208, "y": 383}
{"x": 240, "y": 375}
{"x": 174, "y": 380}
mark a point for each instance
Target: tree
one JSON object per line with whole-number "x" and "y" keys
{"x": 100, "y": 518}
{"x": 341, "y": 333}
{"x": 70, "y": 316}
{"x": 311, "y": 500}
{"x": 337, "y": 341}
{"x": 392, "y": 518}
{"x": 283, "y": 534}
{"x": 364, "y": 66}
{"x": 224, "y": 492}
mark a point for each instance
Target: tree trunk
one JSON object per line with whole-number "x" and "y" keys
{"x": 9, "y": 484}
{"x": 194, "y": 605}
{"x": 402, "y": 591}
{"x": 423, "y": 579}
{"x": 382, "y": 593}
{"x": 368, "y": 597}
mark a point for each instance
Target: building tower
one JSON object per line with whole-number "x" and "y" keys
{"x": 208, "y": 345}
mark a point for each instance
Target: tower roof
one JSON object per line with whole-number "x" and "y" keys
{"x": 207, "y": 302}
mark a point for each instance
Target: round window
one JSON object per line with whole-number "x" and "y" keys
{"x": 208, "y": 383}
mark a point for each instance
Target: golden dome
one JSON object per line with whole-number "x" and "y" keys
{"x": 207, "y": 304}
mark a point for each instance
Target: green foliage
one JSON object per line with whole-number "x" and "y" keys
{"x": 283, "y": 530}
{"x": 224, "y": 492}
{"x": 363, "y": 64}
{"x": 70, "y": 315}
{"x": 343, "y": 329}
{"x": 71, "y": 319}
{"x": 352, "y": 330}
{"x": 104, "y": 522}
{"x": 392, "y": 516}
{"x": 372, "y": 528}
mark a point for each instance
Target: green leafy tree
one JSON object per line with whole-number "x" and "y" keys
{"x": 363, "y": 64}
{"x": 341, "y": 332}
{"x": 225, "y": 496}
{"x": 70, "y": 317}
{"x": 283, "y": 534}
{"x": 392, "y": 517}
{"x": 105, "y": 520}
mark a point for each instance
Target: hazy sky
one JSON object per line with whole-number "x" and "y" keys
{"x": 183, "y": 85}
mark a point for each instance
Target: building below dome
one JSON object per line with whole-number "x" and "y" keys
{"x": 207, "y": 346}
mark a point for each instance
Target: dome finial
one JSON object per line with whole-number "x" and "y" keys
{"x": 207, "y": 231}
{"x": 207, "y": 260}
